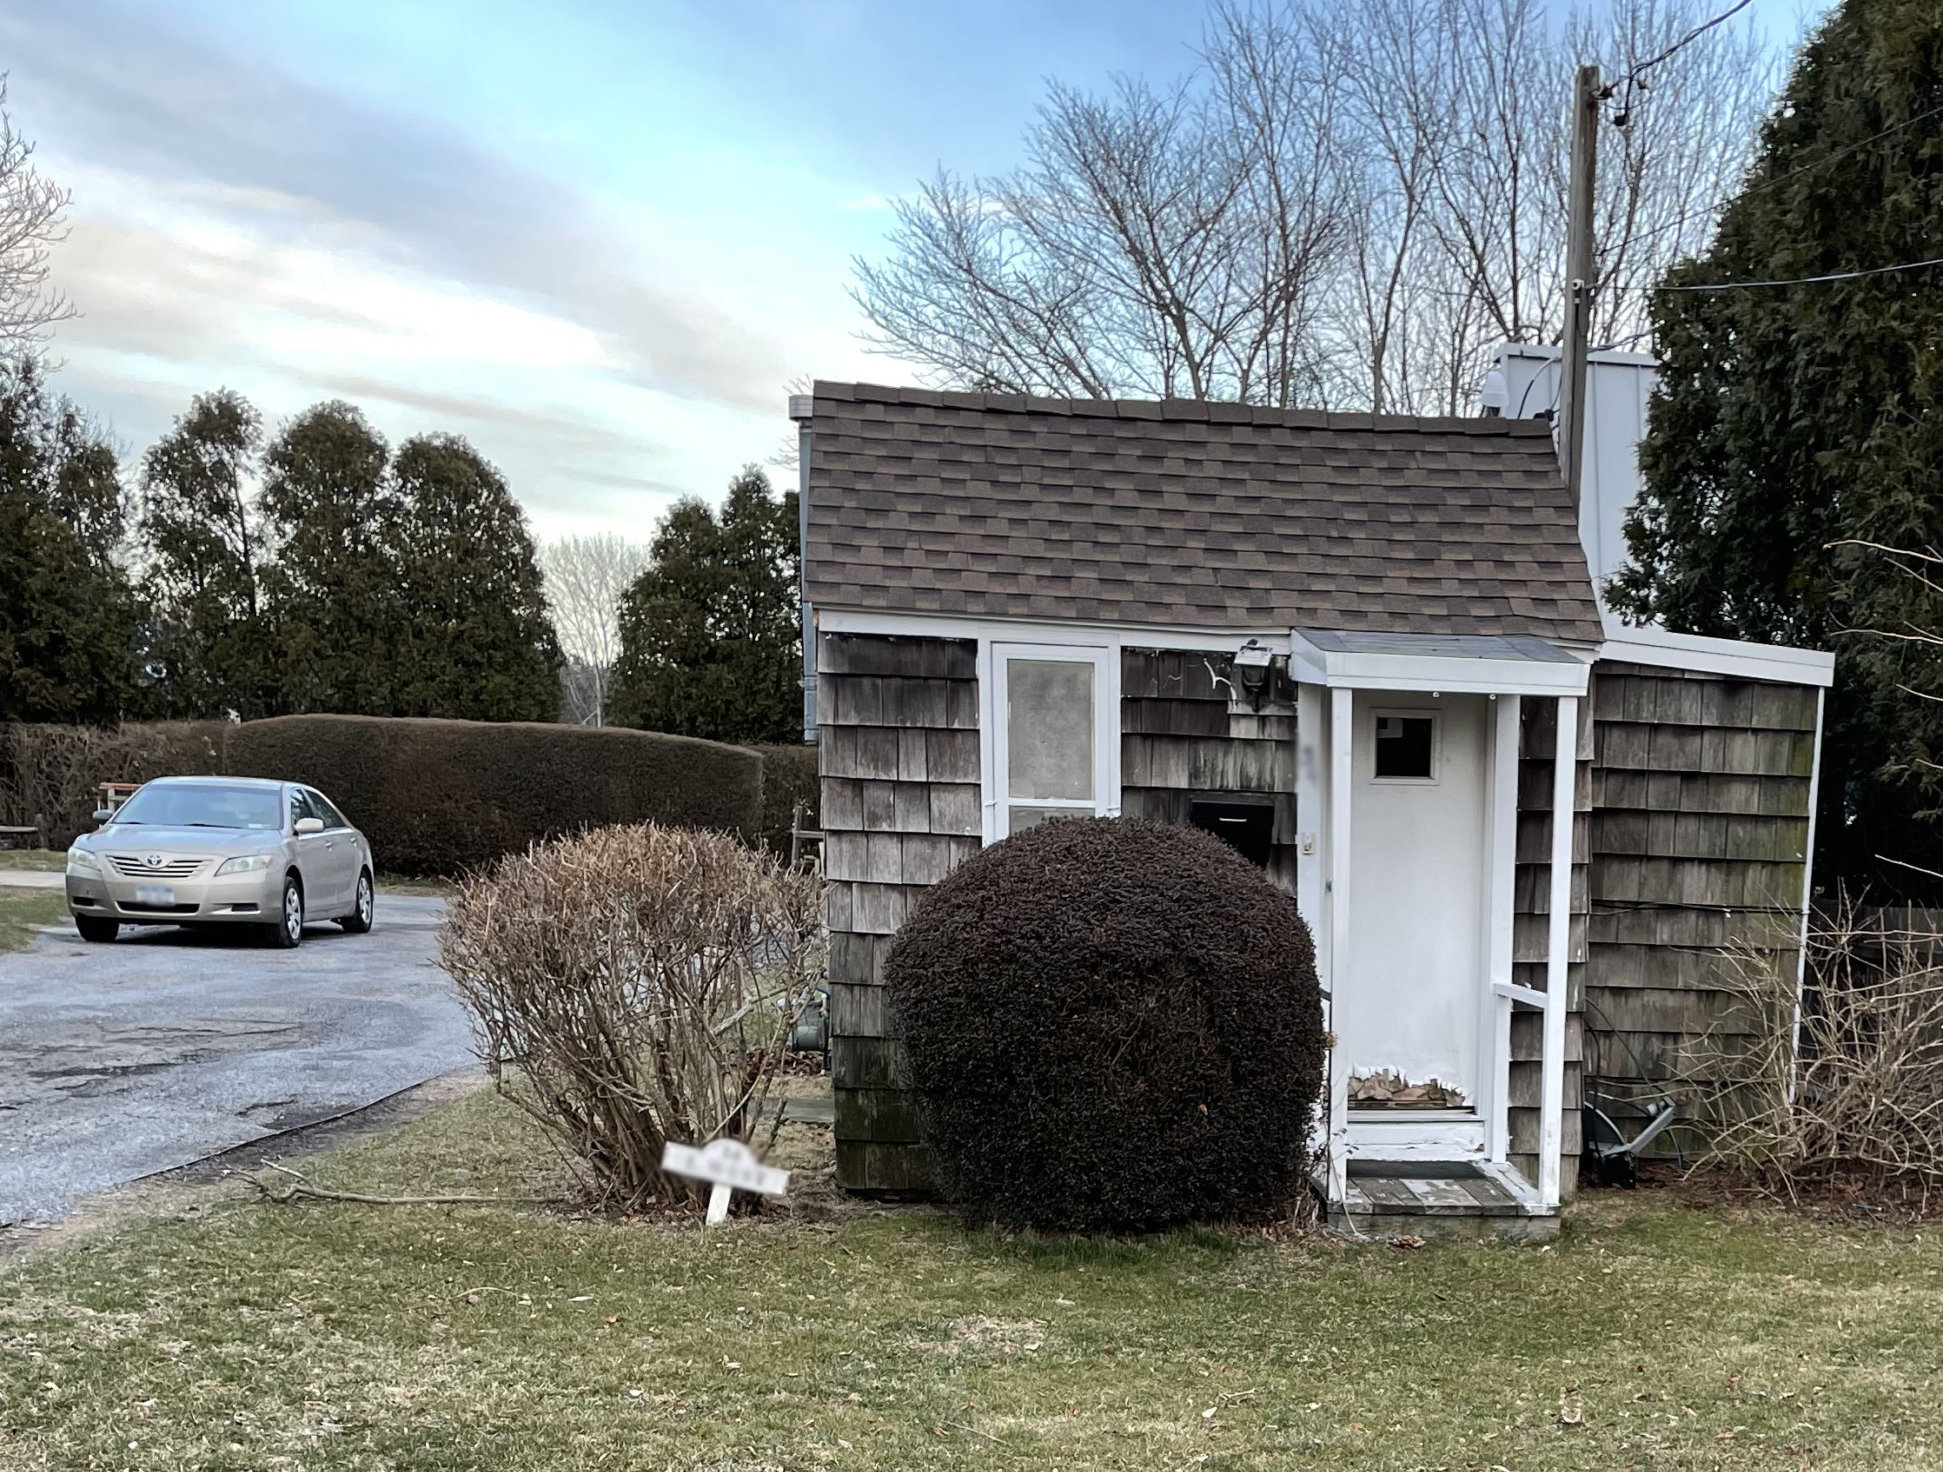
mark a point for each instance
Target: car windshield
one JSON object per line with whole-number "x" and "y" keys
{"x": 203, "y": 805}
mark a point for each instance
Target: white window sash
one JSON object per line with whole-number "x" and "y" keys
{"x": 994, "y": 657}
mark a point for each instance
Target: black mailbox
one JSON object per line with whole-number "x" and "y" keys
{"x": 1246, "y": 824}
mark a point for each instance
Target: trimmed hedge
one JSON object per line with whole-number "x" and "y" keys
{"x": 441, "y": 797}
{"x": 1111, "y": 1025}
{"x": 434, "y": 797}
{"x": 789, "y": 776}
{"x": 49, "y": 774}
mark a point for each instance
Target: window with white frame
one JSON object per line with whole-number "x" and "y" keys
{"x": 1406, "y": 746}
{"x": 1054, "y": 721}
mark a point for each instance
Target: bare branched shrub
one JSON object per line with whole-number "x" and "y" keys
{"x": 632, "y": 986}
{"x": 1859, "y": 1100}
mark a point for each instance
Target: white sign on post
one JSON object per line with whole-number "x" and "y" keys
{"x": 730, "y": 1166}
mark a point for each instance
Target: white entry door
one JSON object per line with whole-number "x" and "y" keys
{"x": 1407, "y": 1017}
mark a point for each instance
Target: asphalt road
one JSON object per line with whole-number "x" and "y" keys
{"x": 118, "y": 1061}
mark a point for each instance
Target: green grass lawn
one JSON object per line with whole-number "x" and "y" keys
{"x": 41, "y": 860}
{"x": 246, "y": 1335}
{"x": 22, "y": 909}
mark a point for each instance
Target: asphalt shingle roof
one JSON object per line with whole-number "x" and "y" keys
{"x": 1189, "y": 513}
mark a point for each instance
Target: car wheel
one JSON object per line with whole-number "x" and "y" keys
{"x": 95, "y": 930}
{"x": 358, "y": 922}
{"x": 288, "y": 932}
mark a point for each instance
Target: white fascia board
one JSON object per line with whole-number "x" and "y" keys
{"x": 1039, "y": 631}
{"x": 1658, "y": 647}
{"x": 1339, "y": 670}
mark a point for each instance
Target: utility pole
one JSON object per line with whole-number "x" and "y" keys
{"x": 1579, "y": 268}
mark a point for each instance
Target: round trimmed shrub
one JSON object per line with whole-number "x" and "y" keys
{"x": 1112, "y": 1025}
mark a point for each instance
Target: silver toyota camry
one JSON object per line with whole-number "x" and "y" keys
{"x": 221, "y": 850}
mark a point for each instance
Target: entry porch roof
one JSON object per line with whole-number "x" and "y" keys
{"x": 1482, "y": 664}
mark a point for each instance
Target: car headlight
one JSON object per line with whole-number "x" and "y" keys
{"x": 82, "y": 864}
{"x": 243, "y": 864}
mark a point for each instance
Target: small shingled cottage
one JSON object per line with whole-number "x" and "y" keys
{"x": 1368, "y": 653}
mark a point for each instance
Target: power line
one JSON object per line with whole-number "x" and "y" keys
{"x": 1804, "y": 280}
{"x": 1633, "y": 76}
{"x": 1634, "y": 81}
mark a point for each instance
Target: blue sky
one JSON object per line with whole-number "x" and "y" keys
{"x": 597, "y": 238}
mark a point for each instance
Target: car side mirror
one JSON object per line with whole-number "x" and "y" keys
{"x": 102, "y": 815}
{"x": 309, "y": 825}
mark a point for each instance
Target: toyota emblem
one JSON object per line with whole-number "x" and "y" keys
{"x": 154, "y": 861}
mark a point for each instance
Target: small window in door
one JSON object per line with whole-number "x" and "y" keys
{"x": 1406, "y": 748}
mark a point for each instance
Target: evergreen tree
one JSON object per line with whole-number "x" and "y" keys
{"x": 66, "y": 609}
{"x": 1794, "y": 420}
{"x": 334, "y": 520}
{"x": 210, "y": 641}
{"x": 478, "y": 644}
{"x": 710, "y": 643}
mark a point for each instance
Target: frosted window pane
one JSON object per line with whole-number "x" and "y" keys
{"x": 1049, "y": 730}
{"x": 1024, "y": 818}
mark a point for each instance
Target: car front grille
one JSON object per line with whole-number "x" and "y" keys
{"x": 129, "y": 866}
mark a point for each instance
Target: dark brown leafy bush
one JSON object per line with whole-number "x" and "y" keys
{"x": 1112, "y": 1025}
{"x": 632, "y": 986}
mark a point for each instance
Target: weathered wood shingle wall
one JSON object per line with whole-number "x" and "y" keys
{"x": 1182, "y": 736}
{"x": 1699, "y": 842}
{"x": 1531, "y": 941}
{"x": 899, "y": 752}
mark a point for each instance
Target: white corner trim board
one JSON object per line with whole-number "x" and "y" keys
{"x": 1658, "y": 647}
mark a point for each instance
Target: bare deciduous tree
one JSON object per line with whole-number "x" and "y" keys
{"x": 1346, "y": 204}
{"x": 32, "y": 209}
{"x": 585, "y": 578}
{"x": 1157, "y": 242}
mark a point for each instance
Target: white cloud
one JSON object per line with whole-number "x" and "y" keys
{"x": 238, "y": 226}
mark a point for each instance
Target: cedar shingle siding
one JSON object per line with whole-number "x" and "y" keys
{"x": 1699, "y": 839}
{"x": 1182, "y": 737}
{"x": 1210, "y": 515}
{"x": 899, "y": 756}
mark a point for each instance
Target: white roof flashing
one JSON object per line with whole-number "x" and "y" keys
{"x": 1781, "y": 663}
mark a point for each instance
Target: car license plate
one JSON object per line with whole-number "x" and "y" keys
{"x": 154, "y": 894}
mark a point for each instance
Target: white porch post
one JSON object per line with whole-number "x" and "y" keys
{"x": 1557, "y": 955}
{"x": 1501, "y": 868}
{"x": 1341, "y": 765}
{"x": 1312, "y": 871}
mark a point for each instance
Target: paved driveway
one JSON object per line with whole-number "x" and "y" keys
{"x": 118, "y": 1061}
